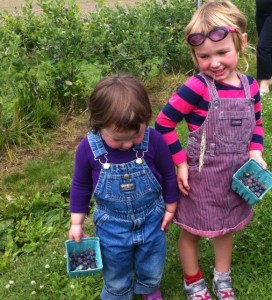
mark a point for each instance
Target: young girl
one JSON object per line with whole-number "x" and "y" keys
{"x": 127, "y": 167}
{"x": 223, "y": 112}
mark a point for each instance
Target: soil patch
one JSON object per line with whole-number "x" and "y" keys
{"x": 86, "y": 6}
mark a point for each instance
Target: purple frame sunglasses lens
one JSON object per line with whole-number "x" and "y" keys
{"x": 215, "y": 35}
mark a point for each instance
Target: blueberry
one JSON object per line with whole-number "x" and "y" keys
{"x": 82, "y": 261}
{"x": 93, "y": 265}
{"x": 253, "y": 183}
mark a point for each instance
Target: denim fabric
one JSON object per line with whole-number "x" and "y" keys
{"x": 128, "y": 217}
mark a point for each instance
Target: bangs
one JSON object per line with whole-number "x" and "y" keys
{"x": 120, "y": 101}
{"x": 129, "y": 113}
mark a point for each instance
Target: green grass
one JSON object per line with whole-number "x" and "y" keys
{"x": 40, "y": 174}
{"x": 40, "y": 190}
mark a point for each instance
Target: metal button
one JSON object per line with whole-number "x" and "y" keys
{"x": 139, "y": 161}
{"x": 106, "y": 166}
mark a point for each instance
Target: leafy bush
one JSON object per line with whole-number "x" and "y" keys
{"x": 51, "y": 61}
{"x": 45, "y": 66}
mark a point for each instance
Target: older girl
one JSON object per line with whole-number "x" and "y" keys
{"x": 223, "y": 111}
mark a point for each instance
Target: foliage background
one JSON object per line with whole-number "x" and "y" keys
{"x": 49, "y": 62}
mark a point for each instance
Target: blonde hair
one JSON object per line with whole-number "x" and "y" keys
{"x": 213, "y": 14}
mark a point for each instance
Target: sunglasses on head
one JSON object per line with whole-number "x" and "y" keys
{"x": 215, "y": 35}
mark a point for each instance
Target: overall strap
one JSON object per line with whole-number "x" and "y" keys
{"x": 96, "y": 144}
{"x": 98, "y": 148}
{"x": 211, "y": 87}
{"x": 144, "y": 144}
{"x": 245, "y": 83}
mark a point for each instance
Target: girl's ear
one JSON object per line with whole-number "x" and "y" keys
{"x": 244, "y": 41}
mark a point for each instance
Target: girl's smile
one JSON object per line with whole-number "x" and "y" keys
{"x": 218, "y": 60}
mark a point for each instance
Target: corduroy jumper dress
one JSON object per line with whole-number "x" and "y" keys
{"x": 212, "y": 208}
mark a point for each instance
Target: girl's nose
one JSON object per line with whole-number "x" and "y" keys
{"x": 127, "y": 145}
{"x": 215, "y": 63}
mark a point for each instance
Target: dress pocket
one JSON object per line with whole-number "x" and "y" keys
{"x": 234, "y": 126}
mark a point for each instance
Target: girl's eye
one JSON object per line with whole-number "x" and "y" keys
{"x": 222, "y": 53}
{"x": 203, "y": 56}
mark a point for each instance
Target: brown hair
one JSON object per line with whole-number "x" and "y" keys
{"x": 119, "y": 100}
{"x": 213, "y": 14}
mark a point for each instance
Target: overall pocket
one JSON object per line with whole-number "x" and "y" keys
{"x": 233, "y": 126}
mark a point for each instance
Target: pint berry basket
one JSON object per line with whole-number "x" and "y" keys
{"x": 252, "y": 182}
{"x": 88, "y": 252}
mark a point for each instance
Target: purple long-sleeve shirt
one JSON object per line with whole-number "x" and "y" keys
{"x": 87, "y": 170}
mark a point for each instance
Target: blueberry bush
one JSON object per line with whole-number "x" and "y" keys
{"x": 49, "y": 62}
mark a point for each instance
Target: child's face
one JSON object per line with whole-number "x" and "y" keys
{"x": 218, "y": 59}
{"x": 122, "y": 140}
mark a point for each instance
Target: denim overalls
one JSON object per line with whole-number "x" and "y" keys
{"x": 128, "y": 216}
{"x": 212, "y": 209}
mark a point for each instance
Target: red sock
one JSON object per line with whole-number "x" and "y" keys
{"x": 190, "y": 279}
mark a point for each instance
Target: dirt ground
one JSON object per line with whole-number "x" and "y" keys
{"x": 86, "y": 5}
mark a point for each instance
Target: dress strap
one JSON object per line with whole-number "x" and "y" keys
{"x": 211, "y": 86}
{"x": 245, "y": 84}
{"x": 212, "y": 89}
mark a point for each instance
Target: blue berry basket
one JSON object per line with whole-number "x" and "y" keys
{"x": 85, "y": 244}
{"x": 264, "y": 178}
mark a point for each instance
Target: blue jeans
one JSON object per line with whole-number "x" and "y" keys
{"x": 133, "y": 253}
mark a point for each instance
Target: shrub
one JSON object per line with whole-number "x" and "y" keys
{"x": 51, "y": 61}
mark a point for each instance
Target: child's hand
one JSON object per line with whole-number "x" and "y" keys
{"x": 167, "y": 220}
{"x": 182, "y": 178}
{"x": 76, "y": 233}
{"x": 168, "y": 216}
{"x": 257, "y": 155}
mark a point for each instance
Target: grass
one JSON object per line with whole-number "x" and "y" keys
{"x": 41, "y": 272}
{"x": 33, "y": 177}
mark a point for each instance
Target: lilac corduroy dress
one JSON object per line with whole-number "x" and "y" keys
{"x": 212, "y": 208}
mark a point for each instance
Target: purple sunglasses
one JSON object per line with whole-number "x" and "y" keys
{"x": 215, "y": 35}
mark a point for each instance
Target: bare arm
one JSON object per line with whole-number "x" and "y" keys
{"x": 77, "y": 225}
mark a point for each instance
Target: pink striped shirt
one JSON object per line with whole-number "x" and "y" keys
{"x": 191, "y": 103}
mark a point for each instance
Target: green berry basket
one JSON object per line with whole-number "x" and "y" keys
{"x": 86, "y": 244}
{"x": 260, "y": 177}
